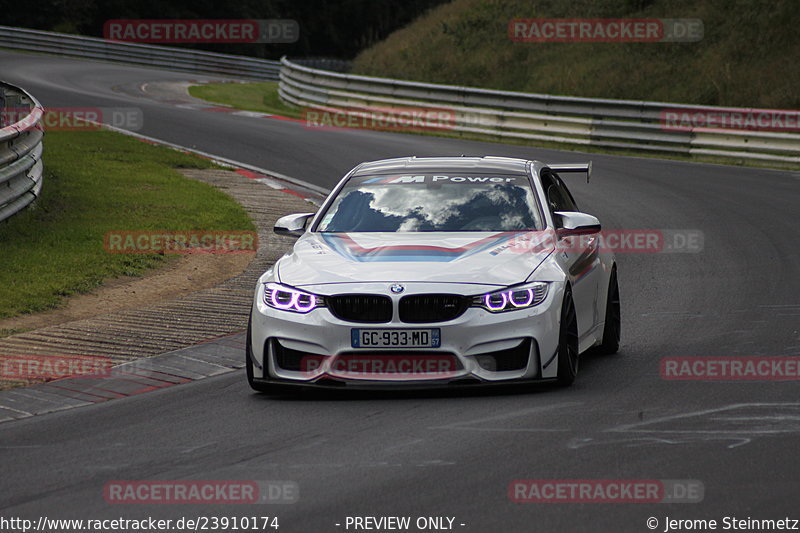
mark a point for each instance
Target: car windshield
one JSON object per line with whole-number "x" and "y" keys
{"x": 433, "y": 202}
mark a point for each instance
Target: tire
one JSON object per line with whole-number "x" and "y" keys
{"x": 568, "y": 357}
{"x": 248, "y": 364}
{"x": 613, "y": 326}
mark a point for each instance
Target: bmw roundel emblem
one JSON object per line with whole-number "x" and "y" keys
{"x": 397, "y": 288}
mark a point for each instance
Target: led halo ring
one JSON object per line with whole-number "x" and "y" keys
{"x": 311, "y": 303}
{"x": 512, "y": 299}
{"x": 288, "y": 299}
{"x": 531, "y": 297}
{"x": 488, "y": 301}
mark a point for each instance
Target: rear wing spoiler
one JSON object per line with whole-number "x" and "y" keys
{"x": 573, "y": 167}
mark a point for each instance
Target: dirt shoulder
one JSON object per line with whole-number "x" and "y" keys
{"x": 194, "y": 300}
{"x": 183, "y": 276}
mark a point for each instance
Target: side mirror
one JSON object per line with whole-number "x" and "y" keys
{"x": 292, "y": 225}
{"x": 573, "y": 223}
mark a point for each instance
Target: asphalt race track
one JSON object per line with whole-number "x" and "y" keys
{"x": 455, "y": 453}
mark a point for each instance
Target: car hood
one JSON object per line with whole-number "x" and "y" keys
{"x": 484, "y": 258}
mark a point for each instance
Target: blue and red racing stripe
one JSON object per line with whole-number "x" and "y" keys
{"x": 345, "y": 246}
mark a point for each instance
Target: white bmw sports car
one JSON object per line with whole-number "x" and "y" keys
{"x": 436, "y": 271}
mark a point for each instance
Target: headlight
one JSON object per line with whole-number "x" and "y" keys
{"x": 289, "y": 299}
{"x": 511, "y": 299}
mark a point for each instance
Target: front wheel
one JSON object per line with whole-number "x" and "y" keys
{"x": 568, "y": 341}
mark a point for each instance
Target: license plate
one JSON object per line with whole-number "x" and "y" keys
{"x": 395, "y": 338}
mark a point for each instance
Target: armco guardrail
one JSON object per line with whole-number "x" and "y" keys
{"x": 625, "y": 124}
{"x": 181, "y": 59}
{"x": 20, "y": 149}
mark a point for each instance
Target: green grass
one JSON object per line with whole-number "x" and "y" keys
{"x": 261, "y": 97}
{"x": 746, "y": 58}
{"x": 7, "y": 332}
{"x": 95, "y": 182}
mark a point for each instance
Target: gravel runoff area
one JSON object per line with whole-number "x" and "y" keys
{"x": 143, "y": 332}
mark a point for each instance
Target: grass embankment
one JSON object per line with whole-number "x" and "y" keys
{"x": 95, "y": 182}
{"x": 746, "y": 58}
{"x": 261, "y": 97}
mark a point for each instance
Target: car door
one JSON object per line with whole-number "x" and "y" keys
{"x": 580, "y": 255}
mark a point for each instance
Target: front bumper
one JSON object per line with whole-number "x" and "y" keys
{"x": 315, "y": 349}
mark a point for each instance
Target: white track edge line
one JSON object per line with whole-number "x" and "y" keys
{"x": 224, "y": 160}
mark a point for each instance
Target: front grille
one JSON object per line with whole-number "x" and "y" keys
{"x": 423, "y": 308}
{"x": 369, "y": 308}
{"x": 403, "y": 364}
{"x": 409, "y": 364}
